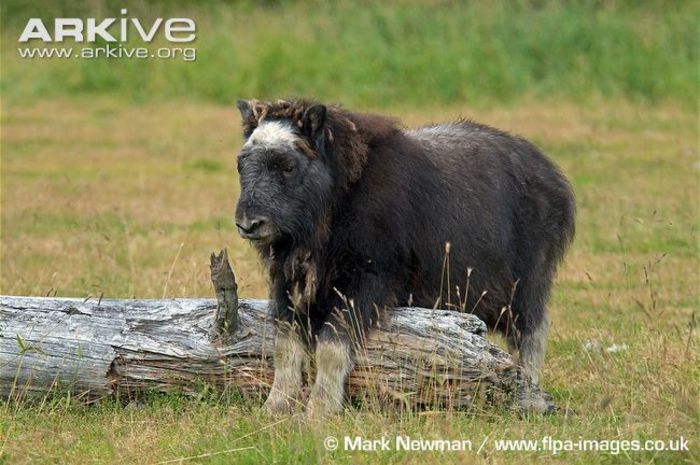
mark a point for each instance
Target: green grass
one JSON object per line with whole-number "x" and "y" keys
{"x": 379, "y": 54}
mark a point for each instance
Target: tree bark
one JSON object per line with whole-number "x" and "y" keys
{"x": 420, "y": 357}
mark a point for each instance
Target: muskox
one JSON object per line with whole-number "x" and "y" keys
{"x": 351, "y": 214}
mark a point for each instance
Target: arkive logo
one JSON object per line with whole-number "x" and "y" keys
{"x": 175, "y": 30}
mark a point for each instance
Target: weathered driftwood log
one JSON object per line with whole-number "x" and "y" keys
{"x": 98, "y": 348}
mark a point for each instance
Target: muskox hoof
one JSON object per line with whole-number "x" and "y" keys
{"x": 279, "y": 404}
{"x": 535, "y": 401}
{"x": 320, "y": 407}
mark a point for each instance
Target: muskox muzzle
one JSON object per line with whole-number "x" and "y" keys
{"x": 253, "y": 227}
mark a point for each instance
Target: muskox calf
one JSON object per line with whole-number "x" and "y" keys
{"x": 352, "y": 214}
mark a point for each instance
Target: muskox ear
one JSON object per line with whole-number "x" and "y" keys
{"x": 245, "y": 108}
{"x": 314, "y": 123}
{"x": 247, "y": 117}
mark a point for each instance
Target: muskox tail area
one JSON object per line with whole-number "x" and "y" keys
{"x": 563, "y": 210}
{"x": 546, "y": 229}
{"x": 547, "y": 210}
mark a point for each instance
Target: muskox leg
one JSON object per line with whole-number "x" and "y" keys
{"x": 334, "y": 360}
{"x": 333, "y": 365}
{"x": 290, "y": 352}
{"x": 341, "y": 336}
{"x": 529, "y": 340}
{"x": 531, "y": 347}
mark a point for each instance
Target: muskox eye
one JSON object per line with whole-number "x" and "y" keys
{"x": 288, "y": 169}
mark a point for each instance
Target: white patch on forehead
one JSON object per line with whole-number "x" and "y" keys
{"x": 272, "y": 133}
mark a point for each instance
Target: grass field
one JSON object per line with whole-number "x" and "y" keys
{"x": 117, "y": 179}
{"x": 114, "y": 199}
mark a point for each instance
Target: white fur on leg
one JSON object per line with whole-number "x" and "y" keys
{"x": 530, "y": 359}
{"x": 531, "y": 352}
{"x": 333, "y": 365}
{"x": 289, "y": 357}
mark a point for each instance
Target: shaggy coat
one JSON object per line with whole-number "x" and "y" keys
{"x": 353, "y": 213}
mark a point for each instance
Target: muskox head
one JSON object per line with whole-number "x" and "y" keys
{"x": 286, "y": 179}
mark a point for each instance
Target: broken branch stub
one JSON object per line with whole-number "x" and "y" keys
{"x": 226, "y": 290}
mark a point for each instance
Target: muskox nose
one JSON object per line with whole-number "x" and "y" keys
{"x": 249, "y": 226}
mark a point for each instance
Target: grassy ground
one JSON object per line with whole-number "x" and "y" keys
{"x": 128, "y": 200}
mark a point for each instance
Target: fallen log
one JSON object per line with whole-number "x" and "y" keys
{"x": 96, "y": 348}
